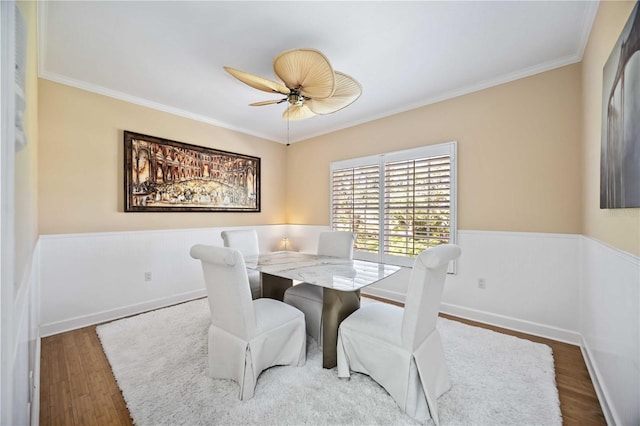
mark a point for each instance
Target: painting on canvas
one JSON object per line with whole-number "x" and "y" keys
{"x": 162, "y": 175}
{"x": 620, "y": 151}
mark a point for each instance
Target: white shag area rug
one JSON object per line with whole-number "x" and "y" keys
{"x": 159, "y": 360}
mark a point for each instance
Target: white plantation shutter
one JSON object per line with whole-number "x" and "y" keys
{"x": 417, "y": 205}
{"x": 355, "y": 205}
{"x": 398, "y": 203}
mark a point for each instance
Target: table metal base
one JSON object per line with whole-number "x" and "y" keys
{"x": 337, "y": 305}
{"x": 273, "y": 287}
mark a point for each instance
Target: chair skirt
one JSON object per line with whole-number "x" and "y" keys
{"x": 369, "y": 342}
{"x": 280, "y": 339}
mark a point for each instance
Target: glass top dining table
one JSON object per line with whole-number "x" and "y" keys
{"x": 341, "y": 281}
{"x": 324, "y": 271}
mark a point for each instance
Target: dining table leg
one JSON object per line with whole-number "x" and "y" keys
{"x": 336, "y": 306}
{"x": 273, "y": 287}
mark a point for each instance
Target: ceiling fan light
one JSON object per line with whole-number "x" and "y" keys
{"x": 297, "y": 112}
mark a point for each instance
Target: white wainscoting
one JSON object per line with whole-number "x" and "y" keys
{"x": 531, "y": 283}
{"x": 531, "y": 279}
{"x": 26, "y": 350}
{"x": 91, "y": 278}
{"x": 610, "y": 328}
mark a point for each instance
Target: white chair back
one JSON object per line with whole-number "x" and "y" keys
{"x": 336, "y": 244}
{"x": 228, "y": 289}
{"x": 245, "y": 240}
{"x": 425, "y": 292}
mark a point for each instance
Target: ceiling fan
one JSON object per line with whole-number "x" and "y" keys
{"x": 311, "y": 86}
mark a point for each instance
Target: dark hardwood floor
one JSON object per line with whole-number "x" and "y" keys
{"x": 77, "y": 386}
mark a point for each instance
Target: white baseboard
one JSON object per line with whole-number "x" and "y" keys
{"x": 113, "y": 314}
{"x": 385, "y": 294}
{"x": 603, "y": 395}
{"x": 528, "y": 327}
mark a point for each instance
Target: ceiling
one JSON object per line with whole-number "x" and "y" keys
{"x": 169, "y": 55}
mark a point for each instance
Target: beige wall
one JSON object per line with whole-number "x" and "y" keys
{"x": 81, "y": 164}
{"x": 26, "y": 160}
{"x": 518, "y": 154}
{"x": 528, "y": 156}
{"x": 617, "y": 227}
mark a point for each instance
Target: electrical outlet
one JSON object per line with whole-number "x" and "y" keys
{"x": 482, "y": 283}
{"x": 147, "y": 276}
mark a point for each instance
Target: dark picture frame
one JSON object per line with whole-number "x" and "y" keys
{"x": 620, "y": 151}
{"x": 162, "y": 175}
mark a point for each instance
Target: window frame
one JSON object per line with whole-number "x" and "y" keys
{"x": 440, "y": 149}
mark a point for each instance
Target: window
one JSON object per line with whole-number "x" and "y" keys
{"x": 398, "y": 203}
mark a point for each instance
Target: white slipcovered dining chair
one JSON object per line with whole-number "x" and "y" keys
{"x": 246, "y": 336}
{"x": 401, "y": 349}
{"x": 246, "y": 240}
{"x": 308, "y": 297}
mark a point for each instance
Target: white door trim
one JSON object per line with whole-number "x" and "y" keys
{"x": 7, "y": 151}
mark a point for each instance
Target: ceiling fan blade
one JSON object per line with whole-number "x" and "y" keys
{"x": 347, "y": 91}
{"x": 258, "y": 82}
{"x": 275, "y": 101}
{"x": 297, "y": 112}
{"x": 307, "y": 69}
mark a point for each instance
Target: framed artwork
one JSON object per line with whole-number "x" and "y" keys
{"x": 162, "y": 175}
{"x": 620, "y": 150}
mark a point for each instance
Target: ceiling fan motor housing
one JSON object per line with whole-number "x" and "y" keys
{"x": 295, "y": 98}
